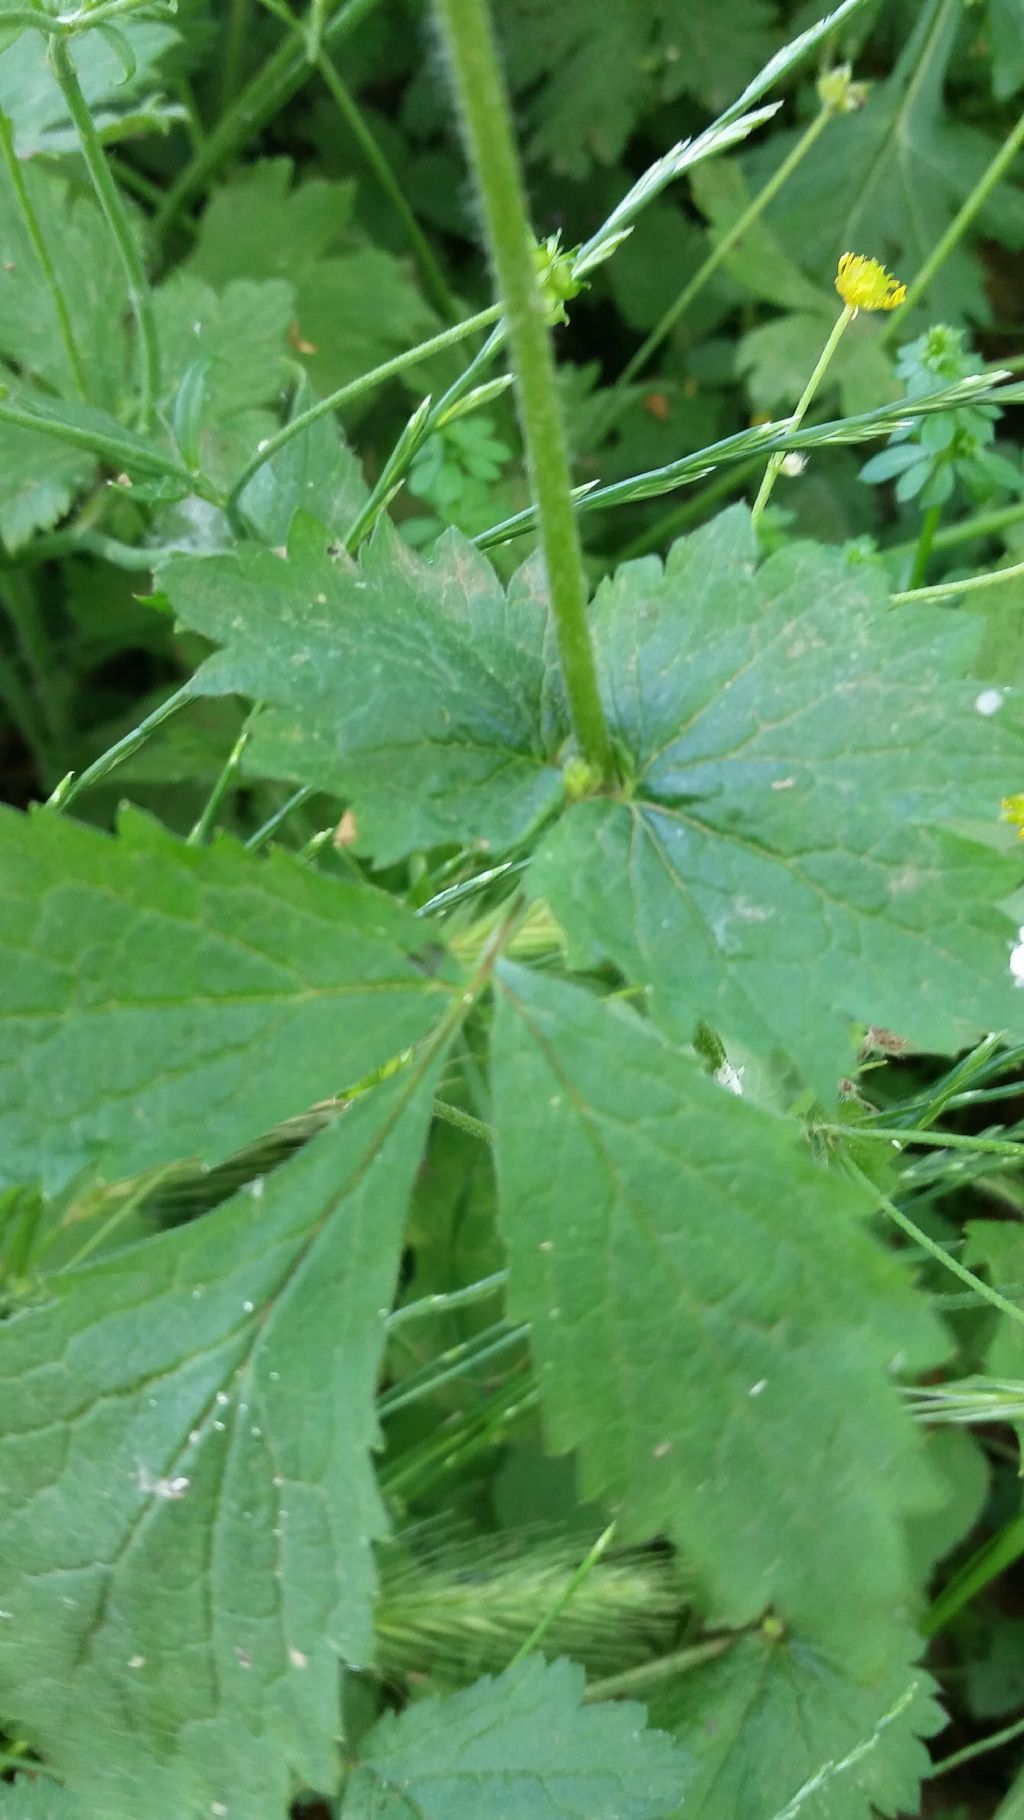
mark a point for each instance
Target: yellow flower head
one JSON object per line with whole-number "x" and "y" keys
{"x": 866, "y": 285}
{"x": 1013, "y": 811}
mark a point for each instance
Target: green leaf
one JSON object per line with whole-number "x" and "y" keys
{"x": 39, "y": 478}
{"x": 905, "y": 168}
{"x": 313, "y": 473}
{"x": 162, "y": 1001}
{"x": 418, "y": 689}
{"x": 243, "y": 333}
{"x": 38, "y": 1799}
{"x": 758, "y": 261}
{"x": 715, "y": 1347}
{"x": 1006, "y": 27}
{"x": 31, "y": 99}
{"x": 354, "y": 304}
{"x": 187, "y": 1503}
{"x": 522, "y": 1744}
{"x": 588, "y": 77}
{"x": 72, "y": 229}
{"x": 778, "y": 1729}
{"x": 788, "y": 858}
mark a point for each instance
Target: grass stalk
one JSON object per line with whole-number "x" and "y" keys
{"x": 39, "y": 246}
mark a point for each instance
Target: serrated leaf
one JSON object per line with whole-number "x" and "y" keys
{"x": 587, "y": 77}
{"x": 521, "y": 1744}
{"x": 71, "y": 228}
{"x": 780, "y": 1730}
{"x": 242, "y": 333}
{"x": 690, "y": 1334}
{"x": 162, "y": 1001}
{"x": 420, "y": 690}
{"x": 32, "y": 100}
{"x": 354, "y": 304}
{"x": 187, "y": 1503}
{"x": 39, "y": 478}
{"x": 787, "y": 861}
{"x": 313, "y": 473}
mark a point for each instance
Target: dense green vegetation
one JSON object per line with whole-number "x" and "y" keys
{"x": 511, "y": 1048}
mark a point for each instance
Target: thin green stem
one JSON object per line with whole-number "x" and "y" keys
{"x": 46, "y": 266}
{"x": 125, "y": 452}
{"x": 991, "y": 1560}
{"x": 275, "y": 821}
{"x": 724, "y": 247}
{"x": 231, "y": 53}
{"x": 434, "y": 283}
{"x": 771, "y": 473}
{"x": 72, "y": 786}
{"x": 994, "y": 1741}
{"x": 572, "y": 1586}
{"x": 281, "y": 77}
{"x": 933, "y": 1248}
{"x": 944, "y": 589}
{"x": 433, "y": 1305}
{"x": 223, "y": 784}
{"x": 957, "y": 228}
{"x": 936, "y": 1140}
{"x": 455, "y": 1363}
{"x": 356, "y": 388}
{"x": 982, "y": 524}
{"x": 109, "y": 197}
{"x": 484, "y": 106}
{"x": 634, "y": 1683}
{"x": 926, "y": 538}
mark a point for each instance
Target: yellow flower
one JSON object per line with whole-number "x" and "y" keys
{"x": 866, "y": 285}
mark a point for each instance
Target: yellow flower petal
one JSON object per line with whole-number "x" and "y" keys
{"x": 866, "y": 285}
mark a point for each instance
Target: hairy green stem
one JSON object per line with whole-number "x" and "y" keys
{"x": 109, "y": 198}
{"x": 936, "y": 1140}
{"x": 46, "y": 266}
{"x": 771, "y": 473}
{"x": 634, "y": 1683}
{"x": 72, "y": 786}
{"x": 356, "y": 388}
{"x": 724, "y": 247}
{"x": 957, "y": 228}
{"x": 446, "y": 1303}
{"x": 484, "y": 106}
{"x": 994, "y": 1741}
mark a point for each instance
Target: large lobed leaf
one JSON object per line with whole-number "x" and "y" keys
{"x": 786, "y": 861}
{"x": 188, "y": 1504}
{"x": 161, "y": 1001}
{"x": 421, "y": 690}
{"x": 712, "y": 1324}
{"x": 522, "y": 1744}
{"x": 779, "y": 1730}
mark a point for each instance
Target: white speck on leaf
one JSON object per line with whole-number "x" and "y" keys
{"x": 729, "y": 1077}
{"x": 297, "y": 1659}
{"x": 1017, "y": 959}
{"x": 136, "y": 1662}
{"x": 248, "y": 1307}
{"x": 756, "y": 1389}
{"x": 989, "y": 701}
